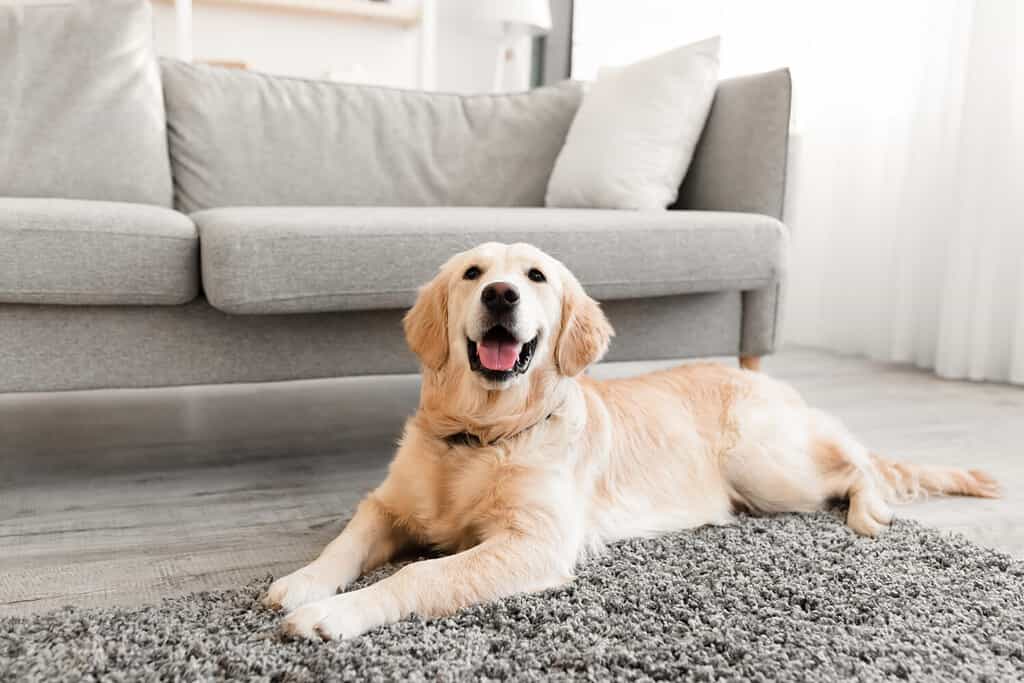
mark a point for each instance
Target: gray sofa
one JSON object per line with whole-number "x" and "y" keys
{"x": 184, "y": 224}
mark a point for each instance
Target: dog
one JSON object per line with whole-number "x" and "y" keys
{"x": 519, "y": 465}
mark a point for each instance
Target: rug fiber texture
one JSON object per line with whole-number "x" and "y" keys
{"x": 787, "y": 597}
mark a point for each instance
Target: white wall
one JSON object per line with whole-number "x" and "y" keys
{"x": 308, "y": 46}
{"x": 311, "y": 46}
{"x": 467, "y": 49}
{"x": 615, "y": 33}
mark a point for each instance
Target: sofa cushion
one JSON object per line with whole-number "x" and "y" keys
{"x": 81, "y": 109}
{"x": 65, "y": 251}
{"x": 240, "y": 138}
{"x": 307, "y": 259}
{"x": 634, "y": 134}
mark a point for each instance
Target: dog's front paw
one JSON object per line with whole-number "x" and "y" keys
{"x": 299, "y": 588}
{"x": 337, "y": 618}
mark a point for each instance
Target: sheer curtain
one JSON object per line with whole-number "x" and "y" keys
{"x": 906, "y": 194}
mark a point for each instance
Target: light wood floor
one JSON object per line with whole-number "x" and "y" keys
{"x": 123, "y": 497}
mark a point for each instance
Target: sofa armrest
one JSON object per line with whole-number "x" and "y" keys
{"x": 740, "y": 161}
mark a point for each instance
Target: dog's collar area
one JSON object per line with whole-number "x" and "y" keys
{"x": 473, "y": 441}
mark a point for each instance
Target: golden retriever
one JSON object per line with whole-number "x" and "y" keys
{"x": 519, "y": 466}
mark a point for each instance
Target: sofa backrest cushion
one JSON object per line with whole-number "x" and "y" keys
{"x": 81, "y": 109}
{"x": 240, "y": 138}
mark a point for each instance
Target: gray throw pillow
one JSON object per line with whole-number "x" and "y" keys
{"x": 244, "y": 139}
{"x": 81, "y": 108}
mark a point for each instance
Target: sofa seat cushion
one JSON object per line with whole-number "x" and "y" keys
{"x": 67, "y": 251}
{"x": 309, "y": 259}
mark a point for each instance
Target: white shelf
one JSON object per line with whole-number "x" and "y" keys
{"x": 403, "y": 14}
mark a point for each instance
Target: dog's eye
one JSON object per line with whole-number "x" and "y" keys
{"x": 471, "y": 273}
{"x": 536, "y": 275}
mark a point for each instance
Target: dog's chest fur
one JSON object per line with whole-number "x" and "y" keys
{"x": 455, "y": 496}
{"x": 466, "y": 493}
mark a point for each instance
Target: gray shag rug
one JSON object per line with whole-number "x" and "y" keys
{"x": 787, "y": 597}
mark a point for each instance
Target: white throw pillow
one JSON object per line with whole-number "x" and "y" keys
{"x": 635, "y": 132}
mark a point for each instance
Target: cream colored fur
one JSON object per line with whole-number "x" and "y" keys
{"x": 573, "y": 463}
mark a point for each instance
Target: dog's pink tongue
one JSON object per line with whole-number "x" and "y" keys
{"x": 498, "y": 355}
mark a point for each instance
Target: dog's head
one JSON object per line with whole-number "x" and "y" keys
{"x": 502, "y": 312}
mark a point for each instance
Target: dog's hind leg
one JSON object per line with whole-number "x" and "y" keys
{"x": 846, "y": 474}
{"x": 786, "y": 457}
{"x": 870, "y": 481}
{"x": 793, "y": 459}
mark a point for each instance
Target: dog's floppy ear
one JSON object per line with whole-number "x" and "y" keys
{"x": 426, "y": 323}
{"x": 585, "y": 332}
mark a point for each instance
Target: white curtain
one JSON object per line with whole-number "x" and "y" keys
{"x": 906, "y": 194}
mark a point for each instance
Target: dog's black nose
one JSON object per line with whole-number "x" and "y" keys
{"x": 500, "y": 297}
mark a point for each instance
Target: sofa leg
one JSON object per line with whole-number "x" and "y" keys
{"x": 750, "y": 363}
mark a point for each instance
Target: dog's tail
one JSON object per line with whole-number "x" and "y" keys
{"x": 904, "y": 482}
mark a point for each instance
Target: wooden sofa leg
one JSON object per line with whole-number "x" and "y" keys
{"x": 750, "y": 363}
